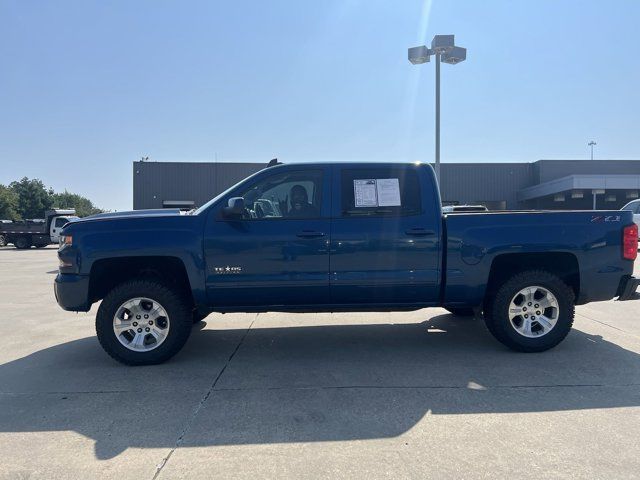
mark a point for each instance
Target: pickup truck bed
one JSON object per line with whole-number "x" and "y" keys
{"x": 339, "y": 237}
{"x": 578, "y": 243}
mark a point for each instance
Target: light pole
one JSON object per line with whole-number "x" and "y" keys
{"x": 444, "y": 49}
{"x": 592, "y": 144}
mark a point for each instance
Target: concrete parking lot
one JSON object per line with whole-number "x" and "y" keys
{"x": 404, "y": 395}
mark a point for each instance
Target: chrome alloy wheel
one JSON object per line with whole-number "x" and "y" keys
{"x": 141, "y": 324}
{"x": 533, "y": 311}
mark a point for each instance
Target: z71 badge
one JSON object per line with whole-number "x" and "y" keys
{"x": 226, "y": 270}
{"x": 605, "y": 218}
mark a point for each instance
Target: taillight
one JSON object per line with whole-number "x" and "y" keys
{"x": 630, "y": 242}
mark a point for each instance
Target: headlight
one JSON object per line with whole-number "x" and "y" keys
{"x": 66, "y": 240}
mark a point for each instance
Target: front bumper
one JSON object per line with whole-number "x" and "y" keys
{"x": 72, "y": 292}
{"x": 627, "y": 288}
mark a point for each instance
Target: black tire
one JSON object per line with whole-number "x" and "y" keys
{"x": 496, "y": 311}
{"x": 199, "y": 316}
{"x": 177, "y": 308}
{"x": 461, "y": 312}
{"x": 22, "y": 243}
{"x": 3, "y": 241}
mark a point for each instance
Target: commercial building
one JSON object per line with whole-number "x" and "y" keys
{"x": 544, "y": 184}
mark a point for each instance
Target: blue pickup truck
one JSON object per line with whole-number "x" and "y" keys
{"x": 339, "y": 237}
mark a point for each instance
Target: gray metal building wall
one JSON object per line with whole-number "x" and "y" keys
{"x": 493, "y": 184}
{"x": 155, "y": 182}
{"x": 473, "y": 183}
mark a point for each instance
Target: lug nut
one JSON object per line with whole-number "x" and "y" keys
{"x": 536, "y": 305}
{"x": 529, "y": 303}
{"x": 537, "y": 313}
{"x": 135, "y": 324}
{"x": 524, "y": 309}
{"x": 139, "y": 330}
{"x": 526, "y": 316}
{"x": 138, "y": 316}
{"x": 150, "y": 322}
{"x": 532, "y": 317}
{"x": 147, "y": 316}
{"x": 147, "y": 329}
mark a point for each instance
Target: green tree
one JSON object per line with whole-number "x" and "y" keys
{"x": 83, "y": 206}
{"x": 8, "y": 204}
{"x": 33, "y": 197}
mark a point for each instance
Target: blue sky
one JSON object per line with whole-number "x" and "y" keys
{"x": 88, "y": 87}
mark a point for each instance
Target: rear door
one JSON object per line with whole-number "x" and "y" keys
{"x": 386, "y": 226}
{"x": 278, "y": 253}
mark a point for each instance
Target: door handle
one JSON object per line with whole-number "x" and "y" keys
{"x": 309, "y": 234}
{"x": 419, "y": 232}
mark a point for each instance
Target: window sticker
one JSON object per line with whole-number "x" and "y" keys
{"x": 381, "y": 192}
{"x": 365, "y": 193}
{"x": 388, "y": 190}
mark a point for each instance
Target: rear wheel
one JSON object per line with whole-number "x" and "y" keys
{"x": 531, "y": 312}
{"x": 143, "y": 322}
{"x": 22, "y": 243}
{"x": 460, "y": 312}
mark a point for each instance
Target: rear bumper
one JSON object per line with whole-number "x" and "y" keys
{"x": 627, "y": 288}
{"x": 72, "y": 292}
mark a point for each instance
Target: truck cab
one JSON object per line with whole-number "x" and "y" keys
{"x": 56, "y": 224}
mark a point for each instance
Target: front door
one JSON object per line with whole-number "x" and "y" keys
{"x": 277, "y": 253}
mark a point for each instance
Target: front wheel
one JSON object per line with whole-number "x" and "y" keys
{"x": 531, "y": 312}
{"x": 3, "y": 241}
{"x": 143, "y": 322}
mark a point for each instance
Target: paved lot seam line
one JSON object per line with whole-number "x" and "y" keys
{"x": 430, "y": 387}
{"x": 340, "y": 387}
{"x": 203, "y": 400}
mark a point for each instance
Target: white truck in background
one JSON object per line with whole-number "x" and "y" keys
{"x": 634, "y": 207}
{"x": 37, "y": 233}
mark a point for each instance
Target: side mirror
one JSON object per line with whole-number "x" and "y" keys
{"x": 234, "y": 208}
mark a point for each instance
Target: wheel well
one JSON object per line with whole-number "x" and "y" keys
{"x": 562, "y": 264}
{"x": 110, "y": 272}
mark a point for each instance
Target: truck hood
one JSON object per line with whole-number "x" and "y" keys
{"x": 160, "y": 212}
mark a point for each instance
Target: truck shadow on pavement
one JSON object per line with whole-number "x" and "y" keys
{"x": 307, "y": 384}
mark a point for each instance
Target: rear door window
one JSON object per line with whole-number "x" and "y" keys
{"x": 380, "y": 192}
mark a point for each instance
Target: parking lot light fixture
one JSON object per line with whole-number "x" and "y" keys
{"x": 419, "y": 55}
{"x": 444, "y": 49}
{"x": 592, "y": 144}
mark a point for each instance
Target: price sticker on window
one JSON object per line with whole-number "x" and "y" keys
{"x": 377, "y": 192}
